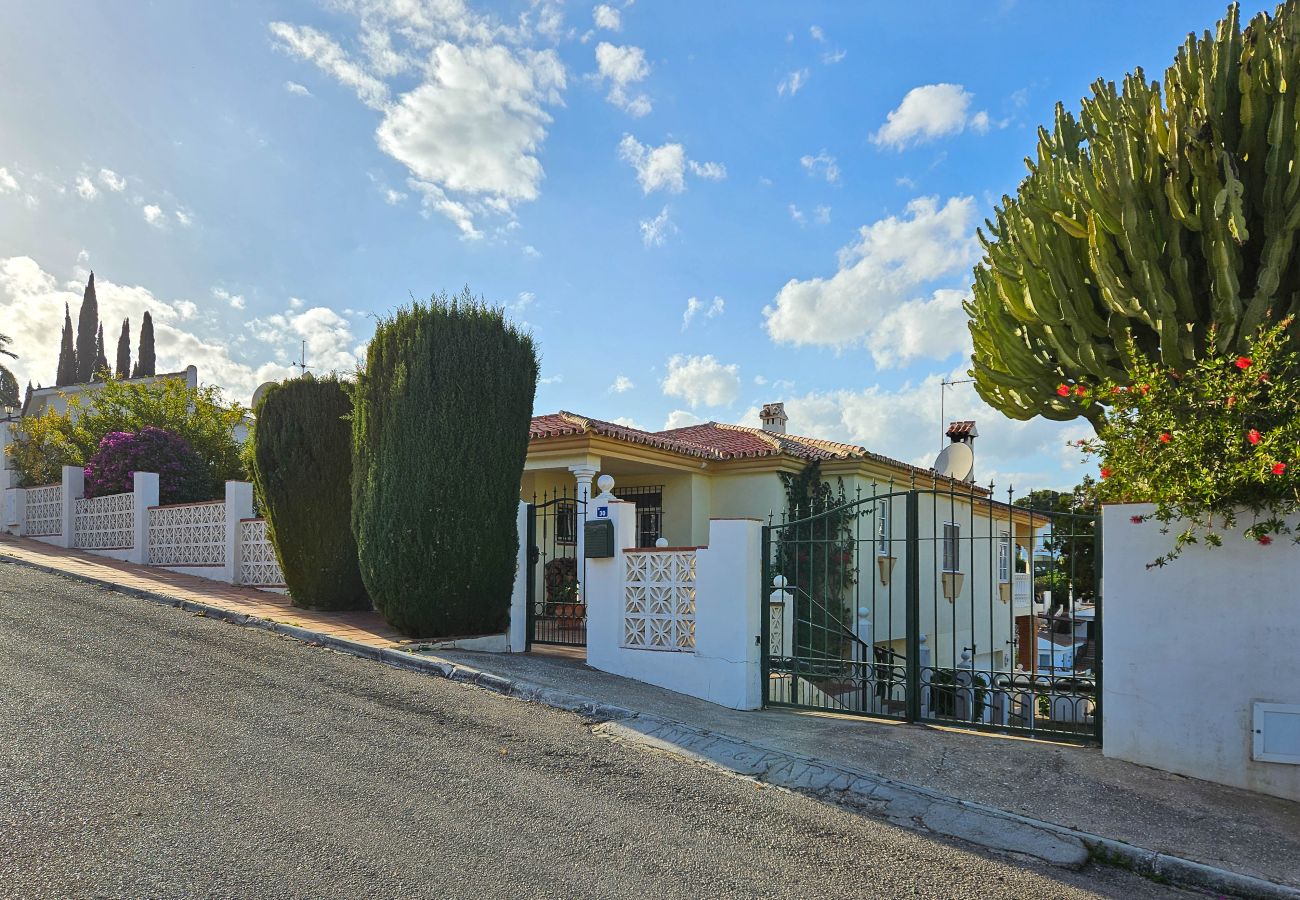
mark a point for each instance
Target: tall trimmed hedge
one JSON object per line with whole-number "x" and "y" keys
{"x": 439, "y": 436}
{"x": 302, "y": 471}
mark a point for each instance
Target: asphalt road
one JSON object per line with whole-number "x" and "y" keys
{"x": 147, "y": 752}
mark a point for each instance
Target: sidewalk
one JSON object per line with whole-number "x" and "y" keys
{"x": 1074, "y": 787}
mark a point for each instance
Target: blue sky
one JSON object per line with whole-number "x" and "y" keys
{"x": 696, "y": 207}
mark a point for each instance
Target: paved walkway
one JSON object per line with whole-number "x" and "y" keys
{"x": 1075, "y": 787}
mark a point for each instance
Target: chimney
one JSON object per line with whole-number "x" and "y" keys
{"x": 774, "y": 418}
{"x": 963, "y": 433}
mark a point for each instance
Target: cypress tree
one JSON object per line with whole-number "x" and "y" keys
{"x": 302, "y": 470}
{"x": 439, "y": 435}
{"x": 87, "y": 325}
{"x": 123, "y": 367}
{"x": 144, "y": 355}
{"x": 67, "y": 371}
{"x": 101, "y": 370}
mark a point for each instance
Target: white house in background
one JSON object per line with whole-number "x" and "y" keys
{"x": 40, "y": 400}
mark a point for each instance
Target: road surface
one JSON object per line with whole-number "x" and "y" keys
{"x": 147, "y": 752}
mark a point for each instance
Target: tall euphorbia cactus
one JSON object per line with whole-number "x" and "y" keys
{"x": 1152, "y": 213}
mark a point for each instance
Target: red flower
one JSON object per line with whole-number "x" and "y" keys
{"x": 1144, "y": 389}
{"x": 1243, "y": 362}
{"x": 1136, "y": 520}
{"x": 1165, "y": 438}
{"x": 1105, "y": 471}
{"x": 1279, "y": 468}
{"x": 1264, "y": 540}
{"x": 1114, "y": 390}
{"x": 1253, "y": 436}
{"x": 1063, "y": 390}
{"x": 1080, "y": 390}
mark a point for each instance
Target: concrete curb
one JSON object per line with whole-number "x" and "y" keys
{"x": 905, "y": 805}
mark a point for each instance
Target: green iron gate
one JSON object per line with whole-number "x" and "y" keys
{"x": 557, "y": 613}
{"x": 937, "y": 605}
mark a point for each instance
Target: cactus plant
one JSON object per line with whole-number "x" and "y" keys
{"x": 1157, "y": 213}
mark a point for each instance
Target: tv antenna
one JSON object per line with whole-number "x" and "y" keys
{"x": 301, "y": 364}
{"x": 943, "y": 395}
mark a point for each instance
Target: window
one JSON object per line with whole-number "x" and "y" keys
{"x": 566, "y": 521}
{"x": 951, "y": 547}
{"x": 1004, "y": 558}
{"x": 649, "y": 511}
{"x": 882, "y": 527}
{"x": 1044, "y": 660}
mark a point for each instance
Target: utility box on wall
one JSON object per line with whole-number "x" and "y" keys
{"x": 598, "y": 539}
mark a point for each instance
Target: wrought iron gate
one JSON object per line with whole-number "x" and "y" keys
{"x": 939, "y": 605}
{"x": 557, "y": 611}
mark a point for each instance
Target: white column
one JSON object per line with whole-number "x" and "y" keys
{"x": 728, "y": 624}
{"x": 146, "y": 495}
{"x": 239, "y": 506}
{"x": 583, "y": 475}
{"x": 74, "y": 488}
{"x": 605, "y": 579}
{"x": 519, "y": 594}
{"x": 15, "y": 510}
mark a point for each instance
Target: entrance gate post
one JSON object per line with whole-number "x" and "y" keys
{"x": 913, "y": 550}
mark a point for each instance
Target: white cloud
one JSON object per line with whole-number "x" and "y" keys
{"x": 470, "y": 129}
{"x": 184, "y": 218}
{"x": 295, "y": 303}
{"x": 299, "y": 90}
{"x": 694, "y": 306}
{"x": 532, "y": 252}
{"x": 822, "y": 164}
{"x": 680, "y": 418}
{"x": 817, "y": 34}
{"x": 393, "y": 197}
{"x": 31, "y": 306}
{"x": 823, "y": 216}
{"x": 627, "y": 422}
{"x": 236, "y": 301}
{"x": 521, "y": 304}
{"x": 153, "y": 215}
{"x": 85, "y": 188}
{"x": 655, "y": 232}
{"x": 791, "y": 83}
{"x": 873, "y": 299}
{"x": 308, "y": 44}
{"x": 663, "y": 168}
{"x": 797, "y": 215}
{"x": 607, "y": 17}
{"x": 904, "y": 424}
{"x": 928, "y": 112}
{"x": 622, "y": 384}
{"x": 111, "y": 180}
{"x": 831, "y": 57}
{"x": 7, "y": 182}
{"x": 623, "y": 66}
{"x": 702, "y": 381}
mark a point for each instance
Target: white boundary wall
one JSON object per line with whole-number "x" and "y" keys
{"x": 1191, "y": 647}
{"x": 724, "y": 667}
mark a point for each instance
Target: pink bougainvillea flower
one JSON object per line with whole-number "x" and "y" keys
{"x": 1279, "y": 468}
{"x": 1166, "y": 438}
{"x": 1080, "y": 390}
{"x": 1063, "y": 390}
{"x": 1136, "y": 520}
{"x": 1243, "y": 362}
{"x": 1253, "y": 436}
{"x": 1264, "y": 540}
{"x": 1105, "y": 471}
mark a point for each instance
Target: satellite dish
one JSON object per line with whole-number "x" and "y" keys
{"x": 955, "y": 461}
{"x": 261, "y": 392}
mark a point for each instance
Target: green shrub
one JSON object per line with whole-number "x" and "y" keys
{"x": 42, "y": 444}
{"x": 440, "y": 432}
{"x": 302, "y": 472}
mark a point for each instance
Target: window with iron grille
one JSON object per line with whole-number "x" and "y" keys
{"x": 882, "y": 527}
{"x": 1004, "y": 557}
{"x": 566, "y": 521}
{"x": 649, "y": 500}
{"x": 951, "y": 547}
